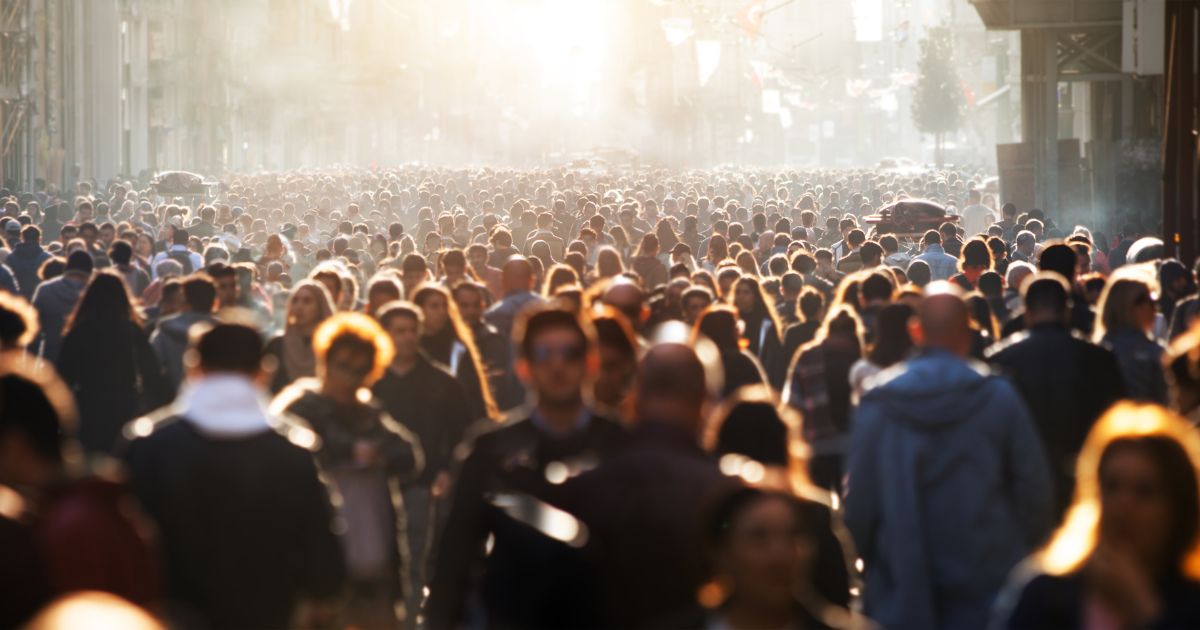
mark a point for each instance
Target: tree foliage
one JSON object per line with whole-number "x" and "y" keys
{"x": 938, "y": 104}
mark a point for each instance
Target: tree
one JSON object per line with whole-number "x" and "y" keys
{"x": 938, "y": 105}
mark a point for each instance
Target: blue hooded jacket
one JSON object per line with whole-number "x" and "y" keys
{"x": 949, "y": 488}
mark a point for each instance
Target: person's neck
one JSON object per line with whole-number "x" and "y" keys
{"x": 561, "y": 417}
{"x": 404, "y": 365}
{"x": 338, "y": 396}
{"x": 744, "y": 615}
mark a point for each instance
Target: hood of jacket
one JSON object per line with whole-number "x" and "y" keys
{"x": 932, "y": 391}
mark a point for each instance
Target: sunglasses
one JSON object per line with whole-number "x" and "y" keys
{"x": 569, "y": 354}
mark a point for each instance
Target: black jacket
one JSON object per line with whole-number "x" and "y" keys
{"x": 1067, "y": 382}
{"x": 245, "y": 523}
{"x": 365, "y": 490}
{"x": 1051, "y": 601}
{"x": 432, "y": 404}
{"x": 644, "y": 510}
{"x": 115, "y": 376}
{"x": 517, "y": 580}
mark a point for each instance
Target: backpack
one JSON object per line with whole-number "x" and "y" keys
{"x": 184, "y": 258}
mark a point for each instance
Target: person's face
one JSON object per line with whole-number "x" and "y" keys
{"x": 1025, "y": 247}
{"x": 470, "y": 305}
{"x": 227, "y": 290}
{"x": 1135, "y": 513}
{"x": 692, "y": 308}
{"x": 403, "y": 331}
{"x": 107, "y": 234}
{"x": 304, "y": 310}
{"x": 1144, "y": 311}
{"x": 346, "y": 371}
{"x": 144, "y": 247}
{"x": 558, "y": 366}
{"x": 478, "y": 259}
{"x": 455, "y": 271}
{"x": 767, "y": 554}
{"x": 436, "y": 313}
{"x": 410, "y": 280}
{"x": 67, "y": 235}
{"x": 743, "y": 298}
{"x": 86, "y": 213}
{"x": 88, "y": 235}
{"x": 616, "y": 373}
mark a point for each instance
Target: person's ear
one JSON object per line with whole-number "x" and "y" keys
{"x": 916, "y": 332}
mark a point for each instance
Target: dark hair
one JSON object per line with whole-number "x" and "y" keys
{"x": 719, "y": 324}
{"x": 991, "y": 284}
{"x": 199, "y": 292}
{"x": 976, "y": 253}
{"x": 932, "y": 237}
{"x": 106, "y": 298}
{"x": 803, "y": 262}
{"x": 539, "y": 320}
{"x": 120, "y": 252}
{"x": 613, "y": 331}
{"x": 1046, "y": 293}
{"x": 856, "y": 237}
{"x": 80, "y": 260}
{"x": 228, "y": 347}
{"x": 877, "y": 286}
{"x": 889, "y": 243}
{"x": 752, "y": 428}
{"x": 31, "y": 234}
{"x": 414, "y": 263}
{"x": 918, "y": 273}
{"x": 810, "y": 303}
{"x": 180, "y": 237}
{"x": 1059, "y": 258}
{"x": 871, "y": 252}
{"x": 18, "y": 322}
{"x": 25, "y": 407}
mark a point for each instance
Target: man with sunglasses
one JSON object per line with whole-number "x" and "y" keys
{"x": 560, "y": 437}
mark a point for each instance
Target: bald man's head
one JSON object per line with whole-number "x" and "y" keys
{"x": 671, "y": 387}
{"x": 517, "y": 275}
{"x": 944, "y": 320}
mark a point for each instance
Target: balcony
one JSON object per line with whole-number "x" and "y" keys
{"x": 1035, "y": 14}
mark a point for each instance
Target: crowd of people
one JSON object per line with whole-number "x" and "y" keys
{"x": 436, "y": 398}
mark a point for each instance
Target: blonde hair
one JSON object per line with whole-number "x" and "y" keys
{"x": 1115, "y": 308}
{"x": 355, "y": 331}
{"x": 1077, "y": 538}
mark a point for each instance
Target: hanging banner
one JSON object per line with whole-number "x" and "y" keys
{"x": 677, "y": 30}
{"x": 708, "y": 57}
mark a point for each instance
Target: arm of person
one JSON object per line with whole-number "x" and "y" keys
{"x": 1032, "y": 487}
{"x": 399, "y": 449}
{"x": 460, "y": 547}
{"x": 862, "y": 501}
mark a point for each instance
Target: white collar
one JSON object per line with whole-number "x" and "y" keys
{"x": 224, "y": 406}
